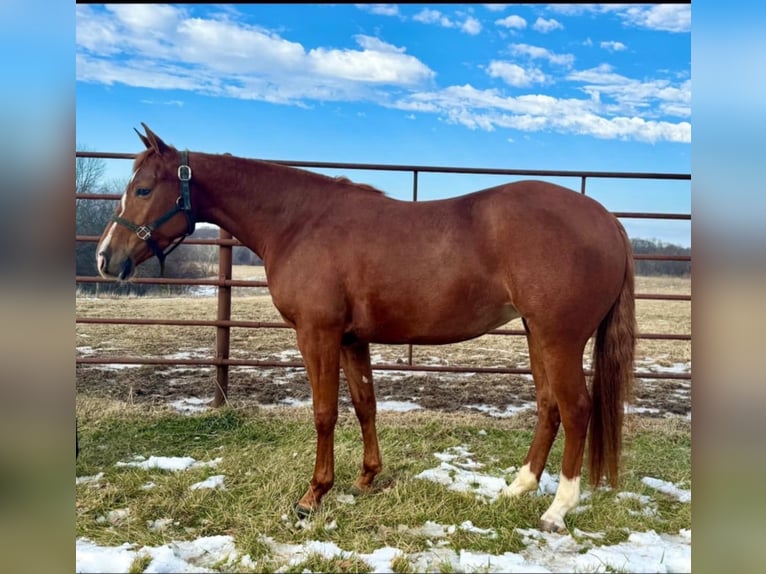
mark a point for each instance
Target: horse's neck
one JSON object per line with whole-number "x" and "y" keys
{"x": 257, "y": 202}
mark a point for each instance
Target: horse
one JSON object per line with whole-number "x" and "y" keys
{"x": 334, "y": 253}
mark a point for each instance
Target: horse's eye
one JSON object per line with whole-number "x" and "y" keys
{"x": 143, "y": 191}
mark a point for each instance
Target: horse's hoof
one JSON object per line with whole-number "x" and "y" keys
{"x": 548, "y": 526}
{"x": 303, "y": 512}
{"x": 357, "y": 490}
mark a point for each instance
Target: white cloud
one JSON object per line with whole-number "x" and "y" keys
{"x": 163, "y": 47}
{"x": 94, "y": 32}
{"x": 628, "y": 95}
{"x": 151, "y": 18}
{"x": 232, "y": 48}
{"x": 496, "y": 7}
{"x": 537, "y": 52}
{"x": 613, "y": 46}
{"x": 379, "y": 62}
{"x": 490, "y": 109}
{"x": 428, "y": 16}
{"x": 601, "y": 74}
{"x": 515, "y": 75}
{"x": 376, "y": 44}
{"x": 513, "y": 21}
{"x": 178, "y": 103}
{"x": 471, "y": 26}
{"x": 664, "y": 17}
{"x": 380, "y": 9}
{"x": 544, "y": 26}
{"x": 134, "y": 73}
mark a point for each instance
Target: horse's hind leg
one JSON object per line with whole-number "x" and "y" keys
{"x": 355, "y": 360}
{"x": 563, "y": 364}
{"x": 547, "y": 423}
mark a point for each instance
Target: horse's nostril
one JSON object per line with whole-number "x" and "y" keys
{"x": 102, "y": 260}
{"x": 126, "y": 270}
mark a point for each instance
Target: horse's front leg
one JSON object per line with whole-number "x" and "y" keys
{"x": 321, "y": 355}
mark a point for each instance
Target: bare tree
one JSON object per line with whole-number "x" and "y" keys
{"x": 91, "y": 215}
{"x": 89, "y": 172}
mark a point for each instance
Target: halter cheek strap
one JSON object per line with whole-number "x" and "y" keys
{"x": 182, "y": 205}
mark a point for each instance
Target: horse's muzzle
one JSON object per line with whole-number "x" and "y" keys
{"x": 103, "y": 262}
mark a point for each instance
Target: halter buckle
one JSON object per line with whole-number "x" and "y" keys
{"x": 144, "y": 232}
{"x": 184, "y": 173}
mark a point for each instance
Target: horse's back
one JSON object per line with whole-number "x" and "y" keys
{"x": 446, "y": 270}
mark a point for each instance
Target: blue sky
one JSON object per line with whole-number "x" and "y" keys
{"x": 570, "y": 87}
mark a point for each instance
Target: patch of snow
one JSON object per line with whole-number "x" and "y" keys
{"x": 189, "y": 405}
{"x": 509, "y": 411}
{"x": 212, "y": 482}
{"x": 668, "y": 488}
{"x": 397, "y": 406}
{"x": 89, "y": 479}
{"x": 174, "y": 463}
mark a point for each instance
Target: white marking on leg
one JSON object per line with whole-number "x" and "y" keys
{"x": 524, "y": 482}
{"x": 567, "y": 497}
{"x": 365, "y": 379}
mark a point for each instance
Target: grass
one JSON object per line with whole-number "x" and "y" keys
{"x": 267, "y": 459}
{"x": 268, "y": 455}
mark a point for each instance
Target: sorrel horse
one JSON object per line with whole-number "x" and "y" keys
{"x": 333, "y": 253}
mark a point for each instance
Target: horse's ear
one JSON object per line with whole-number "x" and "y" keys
{"x": 153, "y": 141}
{"x": 147, "y": 143}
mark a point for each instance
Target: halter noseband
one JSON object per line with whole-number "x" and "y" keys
{"x": 182, "y": 205}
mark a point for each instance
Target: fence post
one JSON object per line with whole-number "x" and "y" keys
{"x": 224, "y": 314}
{"x": 414, "y": 198}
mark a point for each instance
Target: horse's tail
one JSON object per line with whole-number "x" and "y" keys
{"x": 612, "y": 377}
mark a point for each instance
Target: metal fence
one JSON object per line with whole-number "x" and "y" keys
{"x": 224, "y": 283}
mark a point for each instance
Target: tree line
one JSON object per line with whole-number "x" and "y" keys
{"x": 657, "y": 247}
{"x": 201, "y": 261}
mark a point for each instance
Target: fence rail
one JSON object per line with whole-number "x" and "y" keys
{"x": 224, "y": 283}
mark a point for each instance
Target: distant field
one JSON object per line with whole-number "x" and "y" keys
{"x": 434, "y": 390}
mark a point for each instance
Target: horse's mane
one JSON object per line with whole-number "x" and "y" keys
{"x": 363, "y": 186}
{"x": 142, "y": 156}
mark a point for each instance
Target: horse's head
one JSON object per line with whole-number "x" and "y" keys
{"x": 154, "y": 214}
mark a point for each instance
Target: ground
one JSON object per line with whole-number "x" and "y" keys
{"x": 446, "y": 392}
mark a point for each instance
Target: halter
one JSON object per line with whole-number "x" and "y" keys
{"x": 182, "y": 205}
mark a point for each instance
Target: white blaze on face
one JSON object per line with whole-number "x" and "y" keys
{"x": 104, "y": 244}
